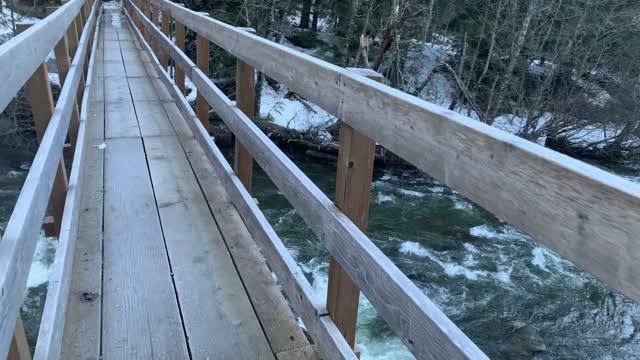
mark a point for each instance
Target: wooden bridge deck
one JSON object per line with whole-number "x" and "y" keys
{"x": 180, "y": 276}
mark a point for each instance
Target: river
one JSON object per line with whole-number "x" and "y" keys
{"x": 514, "y": 298}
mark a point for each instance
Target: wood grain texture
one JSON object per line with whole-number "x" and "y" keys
{"x": 164, "y": 58}
{"x": 32, "y": 48}
{"x": 51, "y": 330}
{"x": 120, "y": 120}
{"x": 218, "y": 317}
{"x": 426, "y": 331}
{"x": 141, "y": 318}
{"x": 280, "y": 327}
{"x": 555, "y": 199}
{"x": 152, "y": 119}
{"x": 356, "y": 158}
{"x": 303, "y": 299}
{"x": 245, "y": 90}
{"x": 41, "y": 101}
{"x": 202, "y": 60}
{"x": 180, "y": 31}
{"x": 19, "y": 347}
{"x": 21, "y": 234}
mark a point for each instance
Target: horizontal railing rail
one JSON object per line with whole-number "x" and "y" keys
{"x": 585, "y": 214}
{"x": 19, "y": 58}
{"x": 49, "y": 342}
{"x": 426, "y": 331}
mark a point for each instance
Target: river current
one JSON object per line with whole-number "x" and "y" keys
{"x": 514, "y": 298}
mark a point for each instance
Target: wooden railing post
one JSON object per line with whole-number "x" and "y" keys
{"x": 245, "y": 100}
{"x": 147, "y": 13}
{"x": 19, "y": 349}
{"x": 156, "y": 21}
{"x": 164, "y": 57}
{"x": 63, "y": 62}
{"x": 41, "y": 100}
{"x": 353, "y": 191}
{"x": 202, "y": 61}
{"x": 180, "y": 31}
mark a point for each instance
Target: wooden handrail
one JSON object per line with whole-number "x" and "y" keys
{"x": 557, "y": 200}
{"x": 426, "y": 331}
{"x": 19, "y": 240}
{"x": 21, "y": 55}
{"x": 49, "y": 343}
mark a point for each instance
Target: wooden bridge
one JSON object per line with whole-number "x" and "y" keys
{"x": 164, "y": 254}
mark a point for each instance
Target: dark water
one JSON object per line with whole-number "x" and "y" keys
{"x": 514, "y": 298}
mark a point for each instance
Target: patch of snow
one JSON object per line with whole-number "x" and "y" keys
{"x": 192, "y": 92}
{"x": 541, "y": 68}
{"x": 101, "y": 146}
{"x": 292, "y": 113}
{"x": 54, "y": 78}
{"x": 42, "y": 260}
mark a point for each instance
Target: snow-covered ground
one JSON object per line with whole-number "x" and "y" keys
{"x": 6, "y": 23}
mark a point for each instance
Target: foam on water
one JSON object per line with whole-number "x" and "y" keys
{"x": 382, "y": 198}
{"x": 411, "y": 193}
{"x": 42, "y": 260}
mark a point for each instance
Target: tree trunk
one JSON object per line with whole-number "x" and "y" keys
{"x": 306, "y": 14}
{"x": 534, "y": 5}
{"x": 317, "y": 6}
{"x": 427, "y": 33}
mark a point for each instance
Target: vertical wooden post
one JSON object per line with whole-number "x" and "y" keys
{"x": 245, "y": 99}
{"x": 202, "y": 60}
{"x": 41, "y": 100}
{"x": 156, "y": 22}
{"x": 19, "y": 349}
{"x": 164, "y": 57}
{"x": 147, "y": 12}
{"x": 62, "y": 61}
{"x": 180, "y": 31}
{"x": 72, "y": 36}
{"x": 353, "y": 191}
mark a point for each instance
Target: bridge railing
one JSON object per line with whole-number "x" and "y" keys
{"x": 585, "y": 214}
{"x": 67, "y": 32}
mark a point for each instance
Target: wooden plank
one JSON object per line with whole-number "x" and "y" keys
{"x": 19, "y": 346}
{"x": 202, "y": 60}
{"x": 114, "y": 69}
{"x": 245, "y": 90}
{"x": 121, "y": 120}
{"x": 426, "y": 331}
{"x": 224, "y": 326}
{"x": 141, "y": 318}
{"x": 303, "y": 299}
{"x": 143, "y": 90}
{"x": 280, "y": 327}
{"x": 152, "y": 119}
{"x": 135, "y": 69}
{"x": 521, "y": 182}
{"x": 32, "y": 48}
{"x": 353, "y": 194}
{"x": 116, "y": 89}
{"x": 82, "y": 330}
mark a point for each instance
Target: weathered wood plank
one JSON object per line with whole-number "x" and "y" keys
{"x": 152, "y": 119}
{"x": 353, "y": 195}
{"x": 121, "y": 120}
{"x": 142, "y": 89}
{"x": 202, "y": 60}
{"x": 280, "y": 327}
{"x": 116, "y": 89}
{"x": 141, "y": 318}
{"x": 521, "y": 182}
{"x": 426, "y": 331}
{"x": 245, "y": 89}
{"x": 19, "y": 239}
{"x": 19, "y": 346}
{"x": 32, "y": 48}
{"x": 224, "y": 326}
{"x": 51, "y": 330}
{"x": 301, "y": 294}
